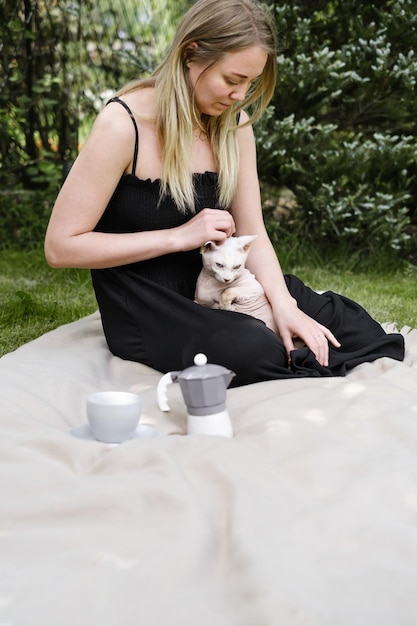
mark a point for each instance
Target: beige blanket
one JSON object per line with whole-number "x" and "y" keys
{"x": 308, "y": 516}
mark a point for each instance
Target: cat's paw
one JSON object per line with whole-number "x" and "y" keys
{"x": 227, "y": 300}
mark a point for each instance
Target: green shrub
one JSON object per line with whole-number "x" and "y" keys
{"x": 341, "y": 133}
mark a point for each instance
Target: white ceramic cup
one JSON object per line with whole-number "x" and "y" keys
{"x": 113, "y": 416}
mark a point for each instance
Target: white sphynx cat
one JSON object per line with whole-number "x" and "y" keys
{"x": 225, "y": 282}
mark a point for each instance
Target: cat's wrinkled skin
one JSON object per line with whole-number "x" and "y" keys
{"x": 225, "y": 282}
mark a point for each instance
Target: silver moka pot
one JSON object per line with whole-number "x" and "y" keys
{"x": 203, "y": 387}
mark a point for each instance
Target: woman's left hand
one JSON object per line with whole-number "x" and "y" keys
{"x": 292, "y": 322}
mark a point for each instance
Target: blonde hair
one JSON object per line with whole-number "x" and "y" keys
{"x": 218, "y": 27}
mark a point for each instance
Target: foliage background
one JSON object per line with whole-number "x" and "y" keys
{"x": 342, "y": 133}
{"x": 337, "y": 149}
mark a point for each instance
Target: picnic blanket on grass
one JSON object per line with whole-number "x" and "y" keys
{"x": 308, "y": 516}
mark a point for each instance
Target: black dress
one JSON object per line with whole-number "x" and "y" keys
{"x": 149, "y": 315}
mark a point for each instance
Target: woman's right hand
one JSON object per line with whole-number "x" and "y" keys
{"x": 207, "y": 225}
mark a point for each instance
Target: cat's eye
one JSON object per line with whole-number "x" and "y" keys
{"x": 220, "y": 266}
{"x": 237, "y": 267}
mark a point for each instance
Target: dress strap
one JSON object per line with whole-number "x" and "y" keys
{"x": 135, "y": 153}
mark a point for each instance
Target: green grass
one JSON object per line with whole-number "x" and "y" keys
{"x": 387, "y": 297}
{"x": 35, "y": 298}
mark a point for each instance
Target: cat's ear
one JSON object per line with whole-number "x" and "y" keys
{"x": 208, "y": 247}
{"x": 246, "y": 241}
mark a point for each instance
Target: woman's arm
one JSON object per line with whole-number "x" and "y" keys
{"x": 263, "y": 262}
{"x": 70, "y": 239}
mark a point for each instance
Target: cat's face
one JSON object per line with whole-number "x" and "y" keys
{"x": 226, "y": 261}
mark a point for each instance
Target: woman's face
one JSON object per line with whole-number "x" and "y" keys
{"x": 227, "y": 81}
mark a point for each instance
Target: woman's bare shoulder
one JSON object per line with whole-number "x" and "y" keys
{"x": 141, "y": 102}
{"x": 243, "y": 117}
{"x": 115, "y": 119}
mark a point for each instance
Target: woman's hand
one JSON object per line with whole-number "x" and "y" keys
{"x": 207, "y": 225}
{"x": 292, "y": 322}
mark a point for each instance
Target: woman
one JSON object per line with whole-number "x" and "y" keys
{"x": 170, "y": 164}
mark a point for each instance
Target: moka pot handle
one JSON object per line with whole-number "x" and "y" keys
{"x": 161, "y": 390}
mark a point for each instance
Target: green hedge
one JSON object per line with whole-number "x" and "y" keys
{"x": 341, "y": 134}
